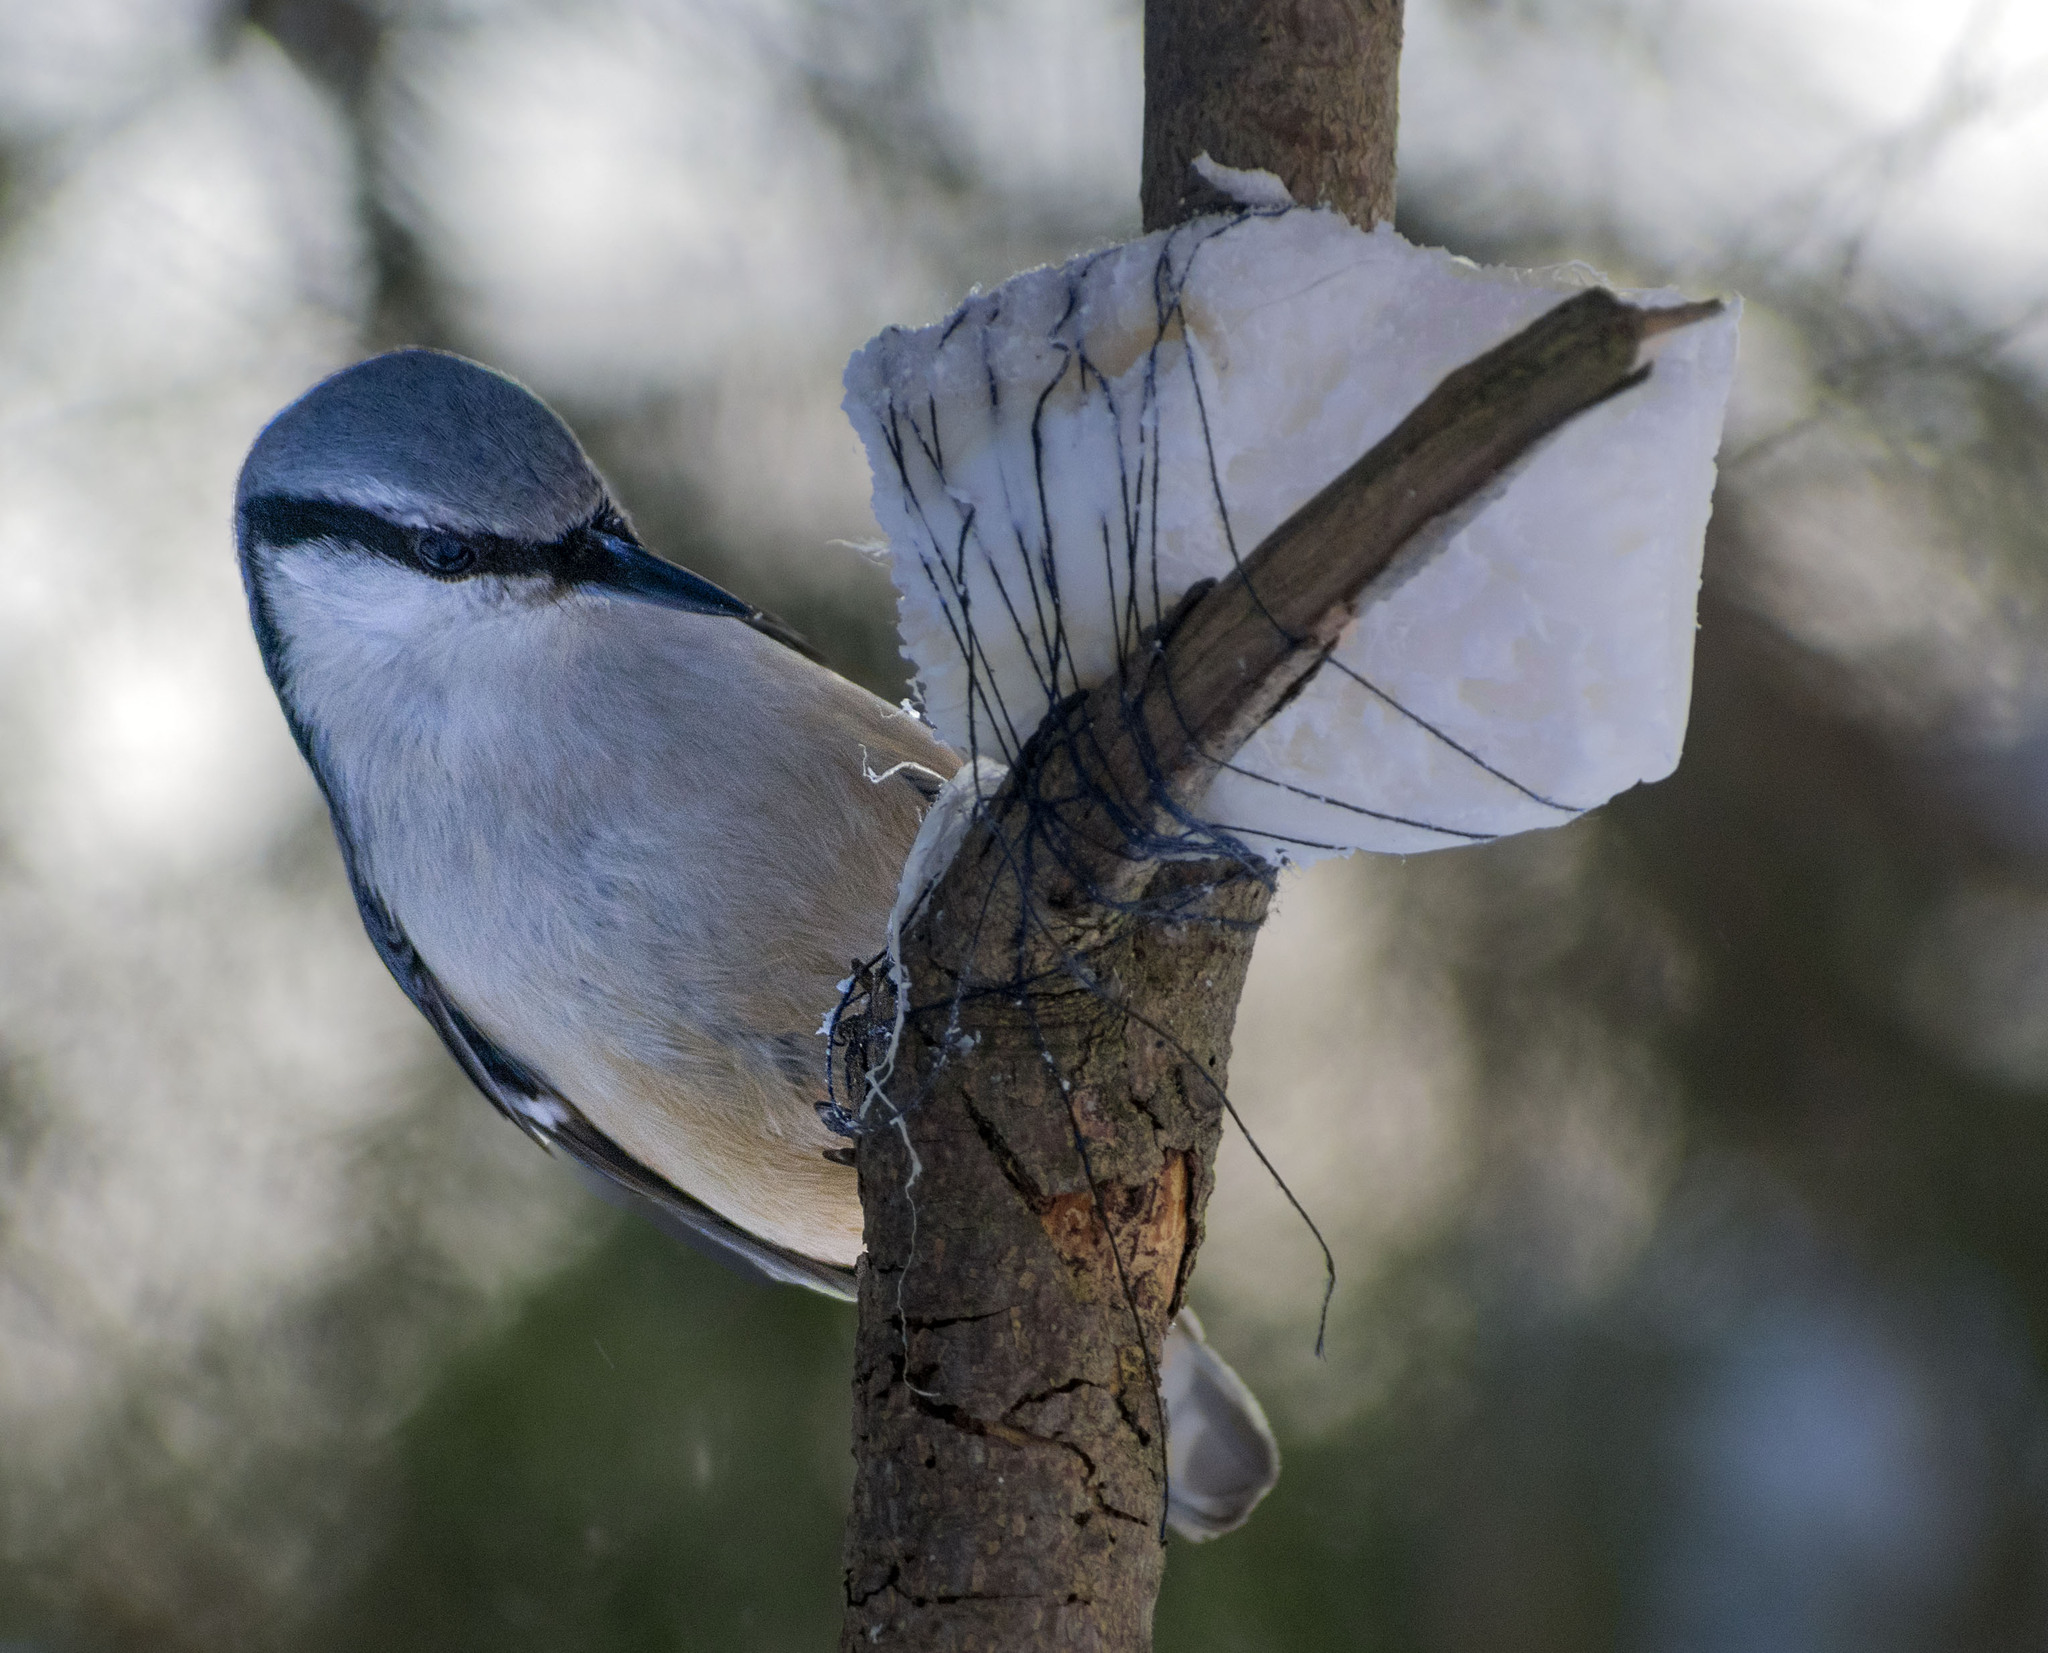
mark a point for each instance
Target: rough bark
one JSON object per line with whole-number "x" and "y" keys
{"x": 1307, "y": 89}
{"x": 1022, "y": 1269}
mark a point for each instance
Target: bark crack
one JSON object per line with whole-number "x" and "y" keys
{"x": 1006, "y": 1158}
{"x": 955, "y": 1416}
{"x": 939, "y": 1323}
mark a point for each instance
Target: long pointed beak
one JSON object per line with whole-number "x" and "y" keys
{"x": 630, "y": 570}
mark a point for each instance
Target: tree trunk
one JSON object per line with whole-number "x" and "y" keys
{"x": 1022, "y": 1269}
{"x": 1034, "y": 1210}
{"x": 1307, "y": 89}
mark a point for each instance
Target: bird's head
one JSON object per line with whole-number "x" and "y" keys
{"x": 416, "y": 487}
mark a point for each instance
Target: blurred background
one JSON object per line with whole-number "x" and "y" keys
{"x": 1687, "y": 1168}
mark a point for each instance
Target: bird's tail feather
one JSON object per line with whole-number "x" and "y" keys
{"x": 1221, "y": 1458}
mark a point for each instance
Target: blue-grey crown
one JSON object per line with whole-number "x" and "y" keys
{"x": 429, "y": 439}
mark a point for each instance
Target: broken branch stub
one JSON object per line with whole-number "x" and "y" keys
{"x": 1150, "y": 740}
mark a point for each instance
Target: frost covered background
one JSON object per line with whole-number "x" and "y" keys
{"x": 1688, "y": 1167}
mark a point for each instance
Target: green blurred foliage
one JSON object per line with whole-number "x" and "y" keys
{"x": 649, "y": 1458}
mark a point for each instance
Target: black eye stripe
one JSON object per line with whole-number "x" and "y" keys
{"x": 283, "y": 521}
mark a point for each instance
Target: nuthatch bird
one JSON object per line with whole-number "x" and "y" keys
{"x": 612, "y": 829}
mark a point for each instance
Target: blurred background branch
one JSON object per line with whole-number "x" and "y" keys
{"x": 1686, "y": 1166}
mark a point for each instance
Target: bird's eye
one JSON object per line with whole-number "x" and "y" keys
{"x": 444, "y": 553}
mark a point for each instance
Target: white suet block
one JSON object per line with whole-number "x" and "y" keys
{"x": 1065, "y": 455}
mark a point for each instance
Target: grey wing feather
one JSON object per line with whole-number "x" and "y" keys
{"x": 551, "y": 1119}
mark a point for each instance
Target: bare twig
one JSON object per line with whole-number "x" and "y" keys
{"x": 1251, "y": 641}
